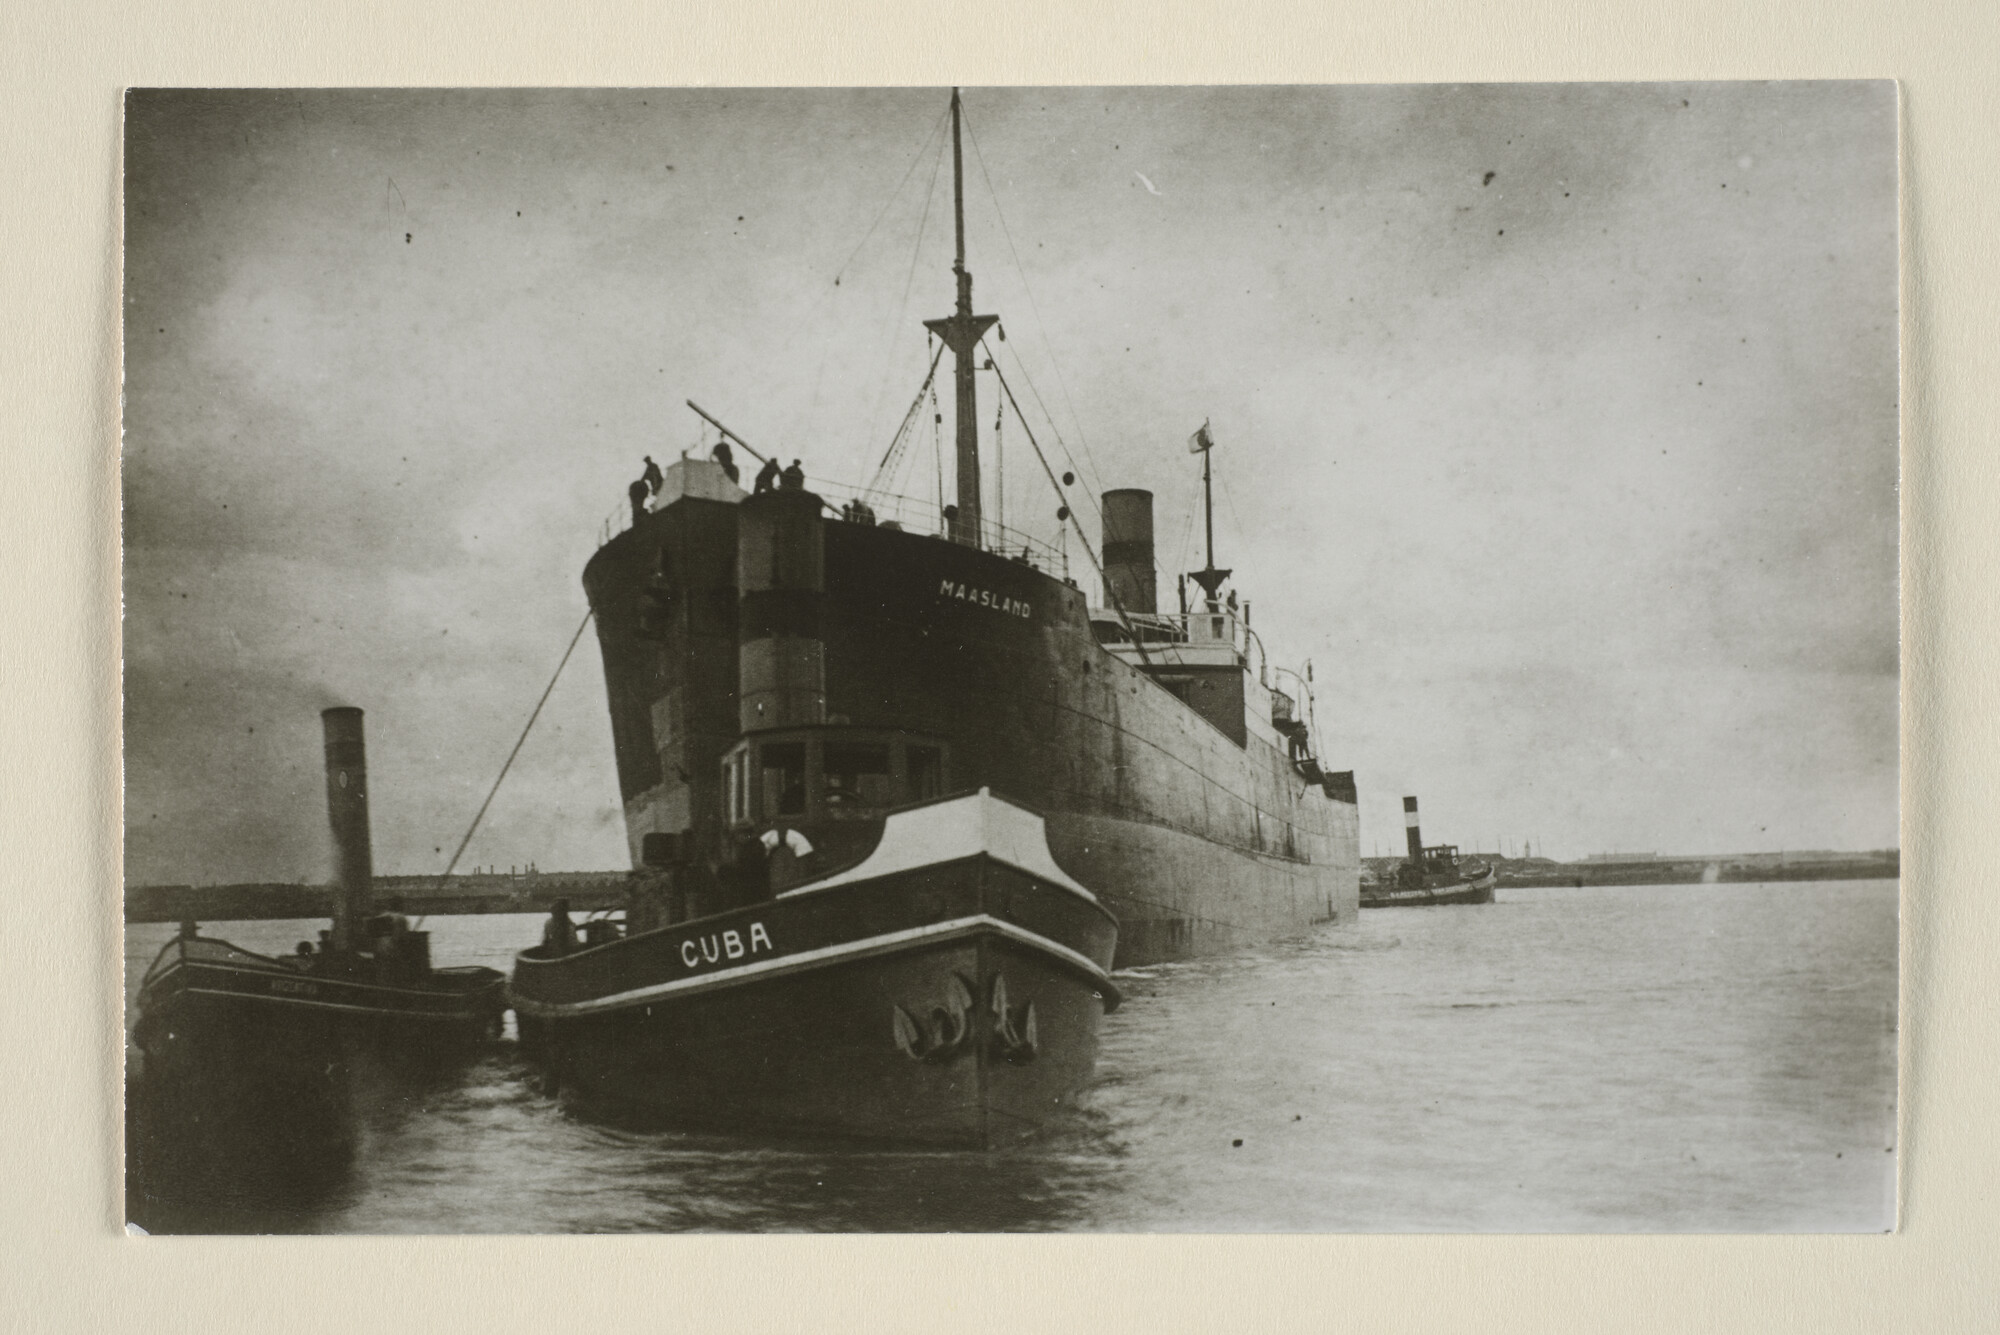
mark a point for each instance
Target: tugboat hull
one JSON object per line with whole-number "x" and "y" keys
{"x": 242, "y": 1051}
{"x": 210, "y": 990}
{"x": 817, "y": 1052}
{"x": 1476, "y": 891}
{"x": 954, "y": 1003}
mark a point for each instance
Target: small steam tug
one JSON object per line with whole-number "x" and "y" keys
{"x": 232, "y": 1038}
{"x": 1433, "y": 875}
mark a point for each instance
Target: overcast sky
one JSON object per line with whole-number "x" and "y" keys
{"x": 1556, "y": 425}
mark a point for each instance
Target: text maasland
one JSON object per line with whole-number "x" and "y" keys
{"x": 984, "y": 598}
{"x": 724, "y": 945}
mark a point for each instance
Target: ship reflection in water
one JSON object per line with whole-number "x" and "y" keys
{"x": 1606, "y": 1059}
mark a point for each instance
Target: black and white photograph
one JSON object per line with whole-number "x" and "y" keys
{"x": 1173, "y": 659}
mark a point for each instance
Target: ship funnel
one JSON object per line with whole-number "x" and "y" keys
{"x": 1128, "y": 550}
{"x": 347, "y": 812}
{"x": 1416, "y": 836}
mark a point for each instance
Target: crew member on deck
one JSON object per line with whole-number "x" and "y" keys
{"x": 793, "y": 478}
{"x": 767, "y": 476}
{"x": 398, "y": 925}
{"x": 722, "y": 456}
{"x": 652, "y": 477}
{"x": 637, "y": 491}
{"x": 787, "y": 851}
{"x": 559, "y": 937}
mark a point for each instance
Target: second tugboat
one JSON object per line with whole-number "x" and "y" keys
{"x": 898, "y": 797}
{"x": 1433, "y": 875}
{"x": 237, "y": 1044}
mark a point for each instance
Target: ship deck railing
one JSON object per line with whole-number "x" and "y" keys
{"x": 1223, "y": 628}
{"x": 911, "y": 514}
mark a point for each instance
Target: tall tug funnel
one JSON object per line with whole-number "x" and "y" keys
{"x": 347, "y": 813}
{"x": 1129, "y": 579}
{"x": 1416, "y": 836}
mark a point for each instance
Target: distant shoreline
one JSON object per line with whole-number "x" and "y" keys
{"x": 527, "y": 892}
{"x": 1672, "y": 871}
{"x": 536, "y": 892}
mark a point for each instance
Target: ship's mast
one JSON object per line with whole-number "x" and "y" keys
{"x": 961, "y": 332}
{"x": 1209, "y": 578}
{"x": 1208, "y": 507}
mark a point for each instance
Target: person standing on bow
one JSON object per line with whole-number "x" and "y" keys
{"x": 721, "y": 454}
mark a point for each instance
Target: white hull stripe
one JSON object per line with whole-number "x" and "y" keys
{"x": 237, "y": 971}
{"x": 811, "y": 959}
{"x": 265, "y": 999}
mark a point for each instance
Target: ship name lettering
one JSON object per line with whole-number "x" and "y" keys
{"x": 726, "y": 944}
{"x": 985, "y": 598}
{"x": 294, "y": 987}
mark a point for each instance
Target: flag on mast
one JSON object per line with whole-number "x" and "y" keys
{"x": 1201, "y": 440}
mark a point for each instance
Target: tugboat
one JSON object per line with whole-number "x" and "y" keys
{"x": 1433, "y": 875}
{"x": 234, "y": 1042}
{"x": 945, "y": 988}
{"x": 898, "y": 796}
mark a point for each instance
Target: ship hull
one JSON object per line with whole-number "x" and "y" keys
{"x": 816, "y": 1054}
{"x": 1179, "y": 896}
{"x": 240, "y": 1053}
{"x": 951, "y": 1004}
{"x": 236, "y": 999}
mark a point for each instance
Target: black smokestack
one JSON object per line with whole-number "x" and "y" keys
{"x": 1128, "y": 550}
{"x": 1416, "y": 836}
{"x": 347, "y": 813}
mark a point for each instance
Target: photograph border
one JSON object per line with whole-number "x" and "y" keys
{"x": 67, "y": 1260}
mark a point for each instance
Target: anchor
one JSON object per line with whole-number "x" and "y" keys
{"x": 1015, "y": 1039}
{"x": 1015, "y": 1036}
{"x": 950, "y": 1024}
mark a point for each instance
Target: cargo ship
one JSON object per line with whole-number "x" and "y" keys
{"x": 1430, "y": 875}
{"x": 989, "y": 789}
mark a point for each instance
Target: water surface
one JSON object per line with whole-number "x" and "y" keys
{"x": 1633, "y": 1058}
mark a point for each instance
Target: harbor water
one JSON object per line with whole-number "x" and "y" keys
{"x": 1628, "y": 1059}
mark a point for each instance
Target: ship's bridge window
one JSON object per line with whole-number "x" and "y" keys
{"x": 857, "y": 774}
{"x": 829, "y": 773}
{"x": 784, "y": 777}
{"x": 736, "y": 785}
